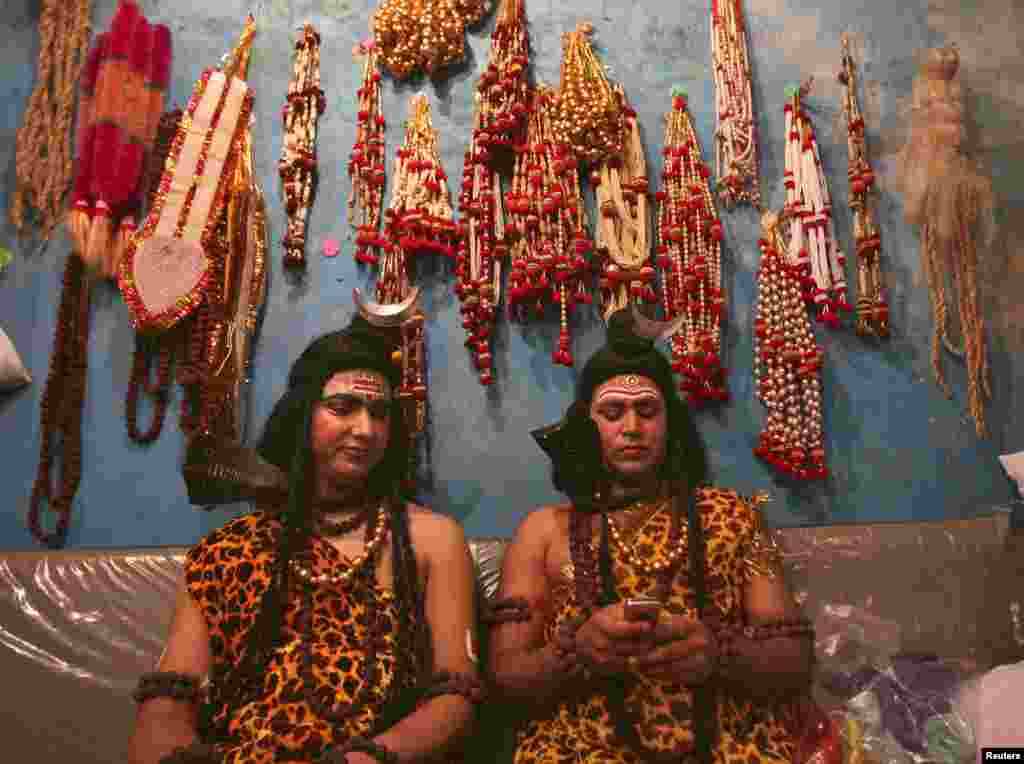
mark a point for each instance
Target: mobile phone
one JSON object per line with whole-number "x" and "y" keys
{"x": 641, "y": 609}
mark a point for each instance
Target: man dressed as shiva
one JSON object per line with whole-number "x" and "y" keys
{"x": 333, "y": 621}
{"x": 647, "y": 620}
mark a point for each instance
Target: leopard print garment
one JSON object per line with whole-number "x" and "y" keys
{"x": 582, "y": 731}
{"x": 227, "y": 574}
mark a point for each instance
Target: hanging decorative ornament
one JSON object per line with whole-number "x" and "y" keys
{"x": 813, "y": 246}
{"x": 548, "y": 225}
{"x": 124, "y": 109}
{"x": 481, "y": 247}
{"x": 167, "y": 265}
{"x": 211, "y": 327}
{"x": 419, "y": 219}
{"x": 949, "y": 198}
{"x": 621, "y": 235}
{"x": 872, "y": 309}
{"x": 503, "y": 87}
{"x": 158, "y": 349}
{"x": 787, "y": 364}
{"x": 735, "y": 126}
{"x": 366, "y": 162}
{"x": 297, "y": 167}
{"x": 43, "y": 158}
{"x": 588, "y": 115}
{"x": 689, "y": 254}
{"x": 423, "y": 34}
{"x": 234, "y": 302}
{"x": 418, "y": 222}
{"x": 122, "y": 127}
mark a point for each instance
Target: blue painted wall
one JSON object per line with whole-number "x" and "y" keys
{"x": 897, "y": 447}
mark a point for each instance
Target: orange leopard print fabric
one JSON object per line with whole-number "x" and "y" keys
{"x": 582, "y": 731}
{"x": 227, "y": 574}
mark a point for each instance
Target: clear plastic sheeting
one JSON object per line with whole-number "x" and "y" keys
{"x": 77, "y": 628}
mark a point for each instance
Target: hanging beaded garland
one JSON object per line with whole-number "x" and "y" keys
{"x": 297, "y": 166}
{"x": 548, "y": 226}
{"x": 159, "y": 349}
{"x": 787, "y": 364}
{"x": 236, "y": 301}
{"x": 60, "y": 410}
{"x": 481, "y": 248}
{"x": 588, "y": 115}
{"x": 735, "y": 125}
{"x": 689, "y": 254}
{"x": 872, "y": 309}
{"x": 423, "y": 34}
{"x": 813, "y": 246}
{"x": 418, "y": 222}
{"x": 622, "y": 233}
{"x": 419, "y": 218}
{"x": 123, "y": 92}
{"x": 43, "y": 153}
{"x": 503, "y": 87}
{"x": 366, "y": 161}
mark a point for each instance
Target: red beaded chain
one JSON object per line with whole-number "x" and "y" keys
{"x": 689, "y": 254}
{"x": 366, "y": 162}
{"x": 787, "y": 366}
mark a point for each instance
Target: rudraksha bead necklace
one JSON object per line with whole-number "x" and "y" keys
{"x": 297, "y": 166}
{"x": 689, "y": 254}
{"x": 735, "y": 125}
{"x": 813, "y": 246}
{"x": 872, "y": 308}
{"x": 550, "y": 241}
{"x": 366, "y": 161}
{"x": 481, "y": 248}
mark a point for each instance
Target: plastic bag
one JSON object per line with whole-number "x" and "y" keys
{"x": 13, "y": 373}
{"x": 903, "y": 714}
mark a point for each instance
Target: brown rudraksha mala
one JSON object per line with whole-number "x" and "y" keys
{"x": 504, "y": 88}
{"x": 60, "y": 415}
{"x": 423, "y": 34}
{"x": 161, "y": 349}
{"x": 735, "y": 125}
{"x": 689, "y": 254}
{"x": 588, "y": 116}
{"x": 481, "y": 248}
{"x": 297, "y": 166}
{"x": 813, "y": 245}
{"x": 787, "y": 364}
{"x": 366, "y": 161}
{"x": 622, "y": 232}
{"x": 872, "y": 308}
{"x": 548, "y": 226}
{"x": 43, "y": 152}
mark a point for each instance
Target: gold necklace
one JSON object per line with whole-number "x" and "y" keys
{"x": 628, "y": 549}
{"x": 305, "y": 573}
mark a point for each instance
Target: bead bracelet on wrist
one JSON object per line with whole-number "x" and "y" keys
{"x": 381, "y": 753}
{"x": 167, "y": 684}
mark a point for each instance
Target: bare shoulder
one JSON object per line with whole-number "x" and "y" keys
{"x": 543, "y": 522}
{"x": 433, "y": 533}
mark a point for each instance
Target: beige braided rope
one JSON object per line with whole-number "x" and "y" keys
{"x": 43, "y": 154}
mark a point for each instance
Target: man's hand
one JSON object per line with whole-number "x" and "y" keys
{"x": 607, "y": 641}
{"x": 685, "y": 651}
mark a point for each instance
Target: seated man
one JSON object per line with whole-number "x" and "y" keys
{"x": 335, "y": 624}
{"x": 648, "y": 620}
